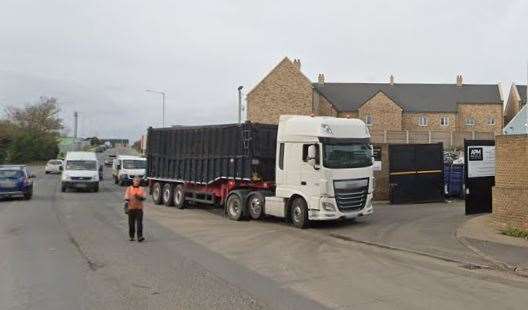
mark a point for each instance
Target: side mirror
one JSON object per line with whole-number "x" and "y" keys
{"x": 313, "y": 156}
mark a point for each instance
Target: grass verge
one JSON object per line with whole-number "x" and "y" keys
{"x": 515, "y": 232}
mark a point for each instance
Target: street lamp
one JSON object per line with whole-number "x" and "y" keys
{"x": 240, "y": 104}
{"x": 163, "y": 98}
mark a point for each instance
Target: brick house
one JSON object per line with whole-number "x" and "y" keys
{"x": 516, "y": 100}
{"x": 384, "y": 107}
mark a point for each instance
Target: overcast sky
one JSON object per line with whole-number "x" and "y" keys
{"x": 98, "y": 56}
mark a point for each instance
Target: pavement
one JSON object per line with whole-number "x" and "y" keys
{"x": 481, "y": 236}
{"x": 71, "y": 251}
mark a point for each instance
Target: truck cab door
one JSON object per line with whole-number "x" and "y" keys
{"x": 288, "y": 178}
{"x": 310, "y": 173}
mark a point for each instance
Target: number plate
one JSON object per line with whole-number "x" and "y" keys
{"x": 80, "y": 185}
{"x": 7, "y": 184}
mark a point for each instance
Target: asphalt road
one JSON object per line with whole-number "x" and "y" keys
{"x": 71, "y": 251}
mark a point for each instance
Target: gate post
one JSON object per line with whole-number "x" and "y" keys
{"x": 473, "y": 135}
{"x": 451, "y": 138}
{"x": 385, "y": 136}
{"x": 407, "y": 136}
{"x": 429, "y": 136}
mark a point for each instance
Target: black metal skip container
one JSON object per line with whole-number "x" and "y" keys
{"x": 205, "y": 154}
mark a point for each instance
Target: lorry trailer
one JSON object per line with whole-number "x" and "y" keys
{"x": 303, "y": 169}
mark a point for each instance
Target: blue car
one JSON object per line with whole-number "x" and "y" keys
{"x": 16, "y": 180}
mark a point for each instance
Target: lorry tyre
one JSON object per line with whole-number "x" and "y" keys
{"x": 96, "y": 188}
{"x": 235, "y": 208}
{"x": 299, "y": 213}
{"x": 179, "y": 196}
{"x": 63, "y": 188}
{"x": 156, "y": 193}
{"x": 255, "y": 205}
{"x": 168, "y": 194}
{"x": 115, "y": 180}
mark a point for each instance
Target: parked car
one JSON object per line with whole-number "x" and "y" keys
{"x": 16, "y": 180}
{"x": 53, "y": 166}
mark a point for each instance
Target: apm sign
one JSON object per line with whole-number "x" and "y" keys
{"x": 481, "y": 161}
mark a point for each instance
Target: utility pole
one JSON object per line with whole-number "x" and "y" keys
{"x": 75, "y": 123}
{"x": 163, "y": 103}
{"x": 240, "y": 104}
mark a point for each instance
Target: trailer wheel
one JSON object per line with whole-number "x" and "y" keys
{"x": 179, "y": 197}
{"x": 156, "y": 193}
{"x": 235, "y": 209}
{"x": 255, "y": 205}
{"x": 167, "y": 195}
{"x": 299, "y": 213}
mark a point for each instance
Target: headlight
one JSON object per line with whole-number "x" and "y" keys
{"x": 67, "y": 178}
{"x": 328, "y": 206}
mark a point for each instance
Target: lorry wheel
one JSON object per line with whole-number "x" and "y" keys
{"x": 235, "y": 208}
{"x": 63, "y": 188}
{"x": 179, "y": 197}
{"x": 115, "y": 180}
{"x": 96, "y": 188}
{"x": 168, "y": 194}
{"x": 255, "y": 205}
{"x": 299, "y": 213}
{"x": 156, "y": 193}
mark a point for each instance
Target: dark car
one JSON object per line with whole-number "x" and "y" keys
{"x": 16, "y": 180}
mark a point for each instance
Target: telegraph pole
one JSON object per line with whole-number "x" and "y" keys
{"x": 75, "y": 123}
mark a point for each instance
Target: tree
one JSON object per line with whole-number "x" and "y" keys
{"x": 33, "y": 131}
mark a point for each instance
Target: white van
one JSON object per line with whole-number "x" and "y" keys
{"x": 81, "y": 170}
{"x": 125, "y": 168}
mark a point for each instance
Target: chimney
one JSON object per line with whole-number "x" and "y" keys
{"x": 391, "y": 79}
{"x": 459, "y": 80}
{"x": 321, "y": 79}
{"x": 297, "y": 63}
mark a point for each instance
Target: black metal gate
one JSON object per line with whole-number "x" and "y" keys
{"x": 416, "y": 173}
{"x": 479, "y": 168}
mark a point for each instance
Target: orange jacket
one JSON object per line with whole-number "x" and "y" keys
{"x": 135, "y": 197}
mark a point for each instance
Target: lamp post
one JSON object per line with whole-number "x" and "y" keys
{"x": 240, "y": 104}
{"x": 163, "y": 103}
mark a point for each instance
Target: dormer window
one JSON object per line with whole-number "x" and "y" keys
{"x": 422, "y": 120}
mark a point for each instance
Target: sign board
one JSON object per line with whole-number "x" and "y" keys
{"x": 376, "y": 153}
{"x": 481, "y": 161}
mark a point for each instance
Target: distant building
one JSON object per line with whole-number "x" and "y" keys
{"x": 515, "y": 111}
{"x": 69, "y": 144}
{"x": 116, "y": 142}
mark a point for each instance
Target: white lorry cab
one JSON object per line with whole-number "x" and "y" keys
{"x": 327, "y": 163}
{"x": 81, "y": 171}
{"x": 125, "y": 168}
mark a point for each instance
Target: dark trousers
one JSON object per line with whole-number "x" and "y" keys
{"x": 135, "y": 218}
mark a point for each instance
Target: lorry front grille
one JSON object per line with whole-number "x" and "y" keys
{"x": 351, "y": 195}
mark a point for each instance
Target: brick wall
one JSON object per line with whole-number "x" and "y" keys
{"x": 410, "y": 121}
{"x": 481, "y": 113}
{"x": 386, "y": 115}
{"x": 510, "y": 193}
{"x": 324, "y": 106}
{"x": 285, "y": 90}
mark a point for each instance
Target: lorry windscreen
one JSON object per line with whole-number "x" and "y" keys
{"x": 350, "y": 155}
{"x": 81, "y": 165}
{"x": 134, "y": 164}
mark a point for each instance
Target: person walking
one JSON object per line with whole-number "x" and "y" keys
{"x": 134, "y": 196}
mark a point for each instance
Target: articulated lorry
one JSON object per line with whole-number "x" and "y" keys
{"x": 305, "y": 169}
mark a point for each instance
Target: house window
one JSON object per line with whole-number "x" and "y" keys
{"x": 444, "y": 121}
{"x": 470, "y": 121}
{"x": 422, "y": 120}
{"x": 368, "y": 120}
{"x": 491, "y": 121}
